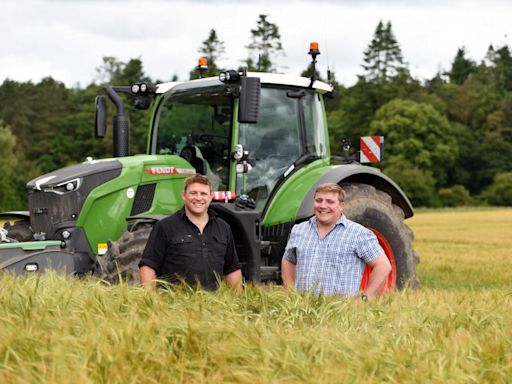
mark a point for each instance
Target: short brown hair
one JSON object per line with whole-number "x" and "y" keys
{"x": 198, "y": 178}
{"x": 331, "y": 188}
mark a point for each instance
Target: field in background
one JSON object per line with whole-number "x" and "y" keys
{"x": 456, "y": 329}
{"x": 464, "y": 248}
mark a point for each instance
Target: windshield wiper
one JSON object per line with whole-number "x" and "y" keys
{"x": 304, "y": 159}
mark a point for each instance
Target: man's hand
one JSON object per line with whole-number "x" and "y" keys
{"x": 381, "y": 268}
{"x": 288, "y": 270}
{"x": 234, "y": 280}
{"x": 147, "y": 277}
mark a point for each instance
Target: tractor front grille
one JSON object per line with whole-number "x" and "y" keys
{"x": 48, "y": 209}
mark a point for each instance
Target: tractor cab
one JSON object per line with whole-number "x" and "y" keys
{"x": 203, "y": 124}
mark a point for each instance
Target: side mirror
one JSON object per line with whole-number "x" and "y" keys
{"x": 249, "y": 103}
{"x": 101, "y": 116}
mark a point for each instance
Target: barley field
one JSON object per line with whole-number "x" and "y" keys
{"x": 456, "y": 329}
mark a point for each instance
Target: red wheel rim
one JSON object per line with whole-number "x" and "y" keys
{"x": 390, "y": 282}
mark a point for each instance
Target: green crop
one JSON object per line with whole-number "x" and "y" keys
{"x": 56, "y": 329}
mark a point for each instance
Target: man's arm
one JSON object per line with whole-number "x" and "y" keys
{"x": 234, "y": 280}
{"x": 381, "y": 268}
{"x": 147, "y": 276}
{"x": 288, "y": 273}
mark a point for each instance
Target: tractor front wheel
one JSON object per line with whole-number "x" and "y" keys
{"x": 374, "y": 209}
{"x": 121, "y": 262}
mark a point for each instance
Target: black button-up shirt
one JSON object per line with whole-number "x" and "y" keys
{"x": 177, "y": 250}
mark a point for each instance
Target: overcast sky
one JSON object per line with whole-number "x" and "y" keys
{"x": 67, "y": 39}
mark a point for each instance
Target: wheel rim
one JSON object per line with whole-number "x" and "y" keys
{"x": 390, "y": 282}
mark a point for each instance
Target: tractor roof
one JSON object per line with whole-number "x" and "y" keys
{"x": 265, "y": 78}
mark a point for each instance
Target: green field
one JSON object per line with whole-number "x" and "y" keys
{"x": 456, "y": 329}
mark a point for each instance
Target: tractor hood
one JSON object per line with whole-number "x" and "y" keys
{"x": 57, "y": 197}
{"x": 72, "y": 178}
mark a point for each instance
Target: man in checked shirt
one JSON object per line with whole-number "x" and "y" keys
{"x": 327, "y": 254}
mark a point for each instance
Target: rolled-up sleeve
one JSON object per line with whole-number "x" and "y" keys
{"x": 290, "y": 252}
{"x": 369, "y": 248}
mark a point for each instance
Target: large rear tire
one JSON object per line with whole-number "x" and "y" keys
{"x": 121, "y": 262}
{"x": 374, "y": 209}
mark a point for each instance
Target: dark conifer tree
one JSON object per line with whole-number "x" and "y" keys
{"x": 462, "y": 67}
{"x": 383, "y": 57}
{"x": 265, "y": 46}
{"x": 212, "y": 49}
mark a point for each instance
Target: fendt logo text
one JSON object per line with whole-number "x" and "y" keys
{"x": 169, "y": 171}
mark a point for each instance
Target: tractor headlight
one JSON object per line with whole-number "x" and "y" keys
{"x": 230, "y": 76}
{"x": 31, "y": 267}
{"x": 65, "y": 187}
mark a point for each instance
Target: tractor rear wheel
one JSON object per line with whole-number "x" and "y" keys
{"x": 121, "y": 262}
{"x": 374, "y": 209}
{"x": 20, "y": 230}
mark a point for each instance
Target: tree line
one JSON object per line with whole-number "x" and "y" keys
{"x": 448, "y": 140}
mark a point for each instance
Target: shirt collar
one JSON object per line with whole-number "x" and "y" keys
{"x": 341, "y": 220}
{"x": 211, "y": 213}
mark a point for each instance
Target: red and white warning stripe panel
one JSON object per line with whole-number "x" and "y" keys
{"x": 169, "y": 171}
{"x": 371, "y": 149}
{"x": 223, "y": 196}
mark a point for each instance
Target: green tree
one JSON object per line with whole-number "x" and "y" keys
{"x": 117, "y": 72}
{"x": 359, "y": 103}
{"x": 109, "y": 70}
{"x": 32, "y": 112}
{"x": 212, "y": 49}
{"x": 500, "y": 192}
{"x": 383, "y": 57}
{"x": 15, "y": 171}
{"x": 16, "y": 110}
{"x": 461, "y": 68}
{"x": 418, "y": 135}
{"x": 501, "y": 62}
{"x": 418, "y": 185}
{"x": 454, "y": 196}
{"x": 265, "y": 45}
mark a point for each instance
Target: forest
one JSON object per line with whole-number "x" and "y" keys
{"x": 448, "y": 139}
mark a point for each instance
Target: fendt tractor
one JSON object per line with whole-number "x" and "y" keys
{"x": 263, "y": 141}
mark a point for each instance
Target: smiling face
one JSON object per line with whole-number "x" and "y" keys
{"x": 197, "y": 198}
{"x": 328, "y": 208}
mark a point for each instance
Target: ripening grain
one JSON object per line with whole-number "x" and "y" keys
{"x": 464, "y": 248}
{"x": 59, "y": 330}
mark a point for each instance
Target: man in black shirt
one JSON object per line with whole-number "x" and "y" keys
{"x": 193, "y": 245}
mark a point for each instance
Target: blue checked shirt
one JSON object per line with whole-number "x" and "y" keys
{"x": 333, "y": 265}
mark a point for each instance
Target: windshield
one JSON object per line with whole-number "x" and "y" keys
{"x": 278, "y": 140}
{"x": 197, "y": 126}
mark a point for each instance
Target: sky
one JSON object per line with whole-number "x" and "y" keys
{"x": 68, "y": 39}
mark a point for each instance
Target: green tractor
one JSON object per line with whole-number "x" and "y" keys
{"x": 261, "y": 138}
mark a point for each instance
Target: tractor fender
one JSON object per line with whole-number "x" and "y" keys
{"x": 357, "y": 173}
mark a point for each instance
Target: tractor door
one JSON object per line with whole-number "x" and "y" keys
{"x": 290, "y": 126}
{"x": 197, "y": 126}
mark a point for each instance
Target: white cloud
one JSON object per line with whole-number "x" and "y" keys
{"x": 67, "y": 39}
